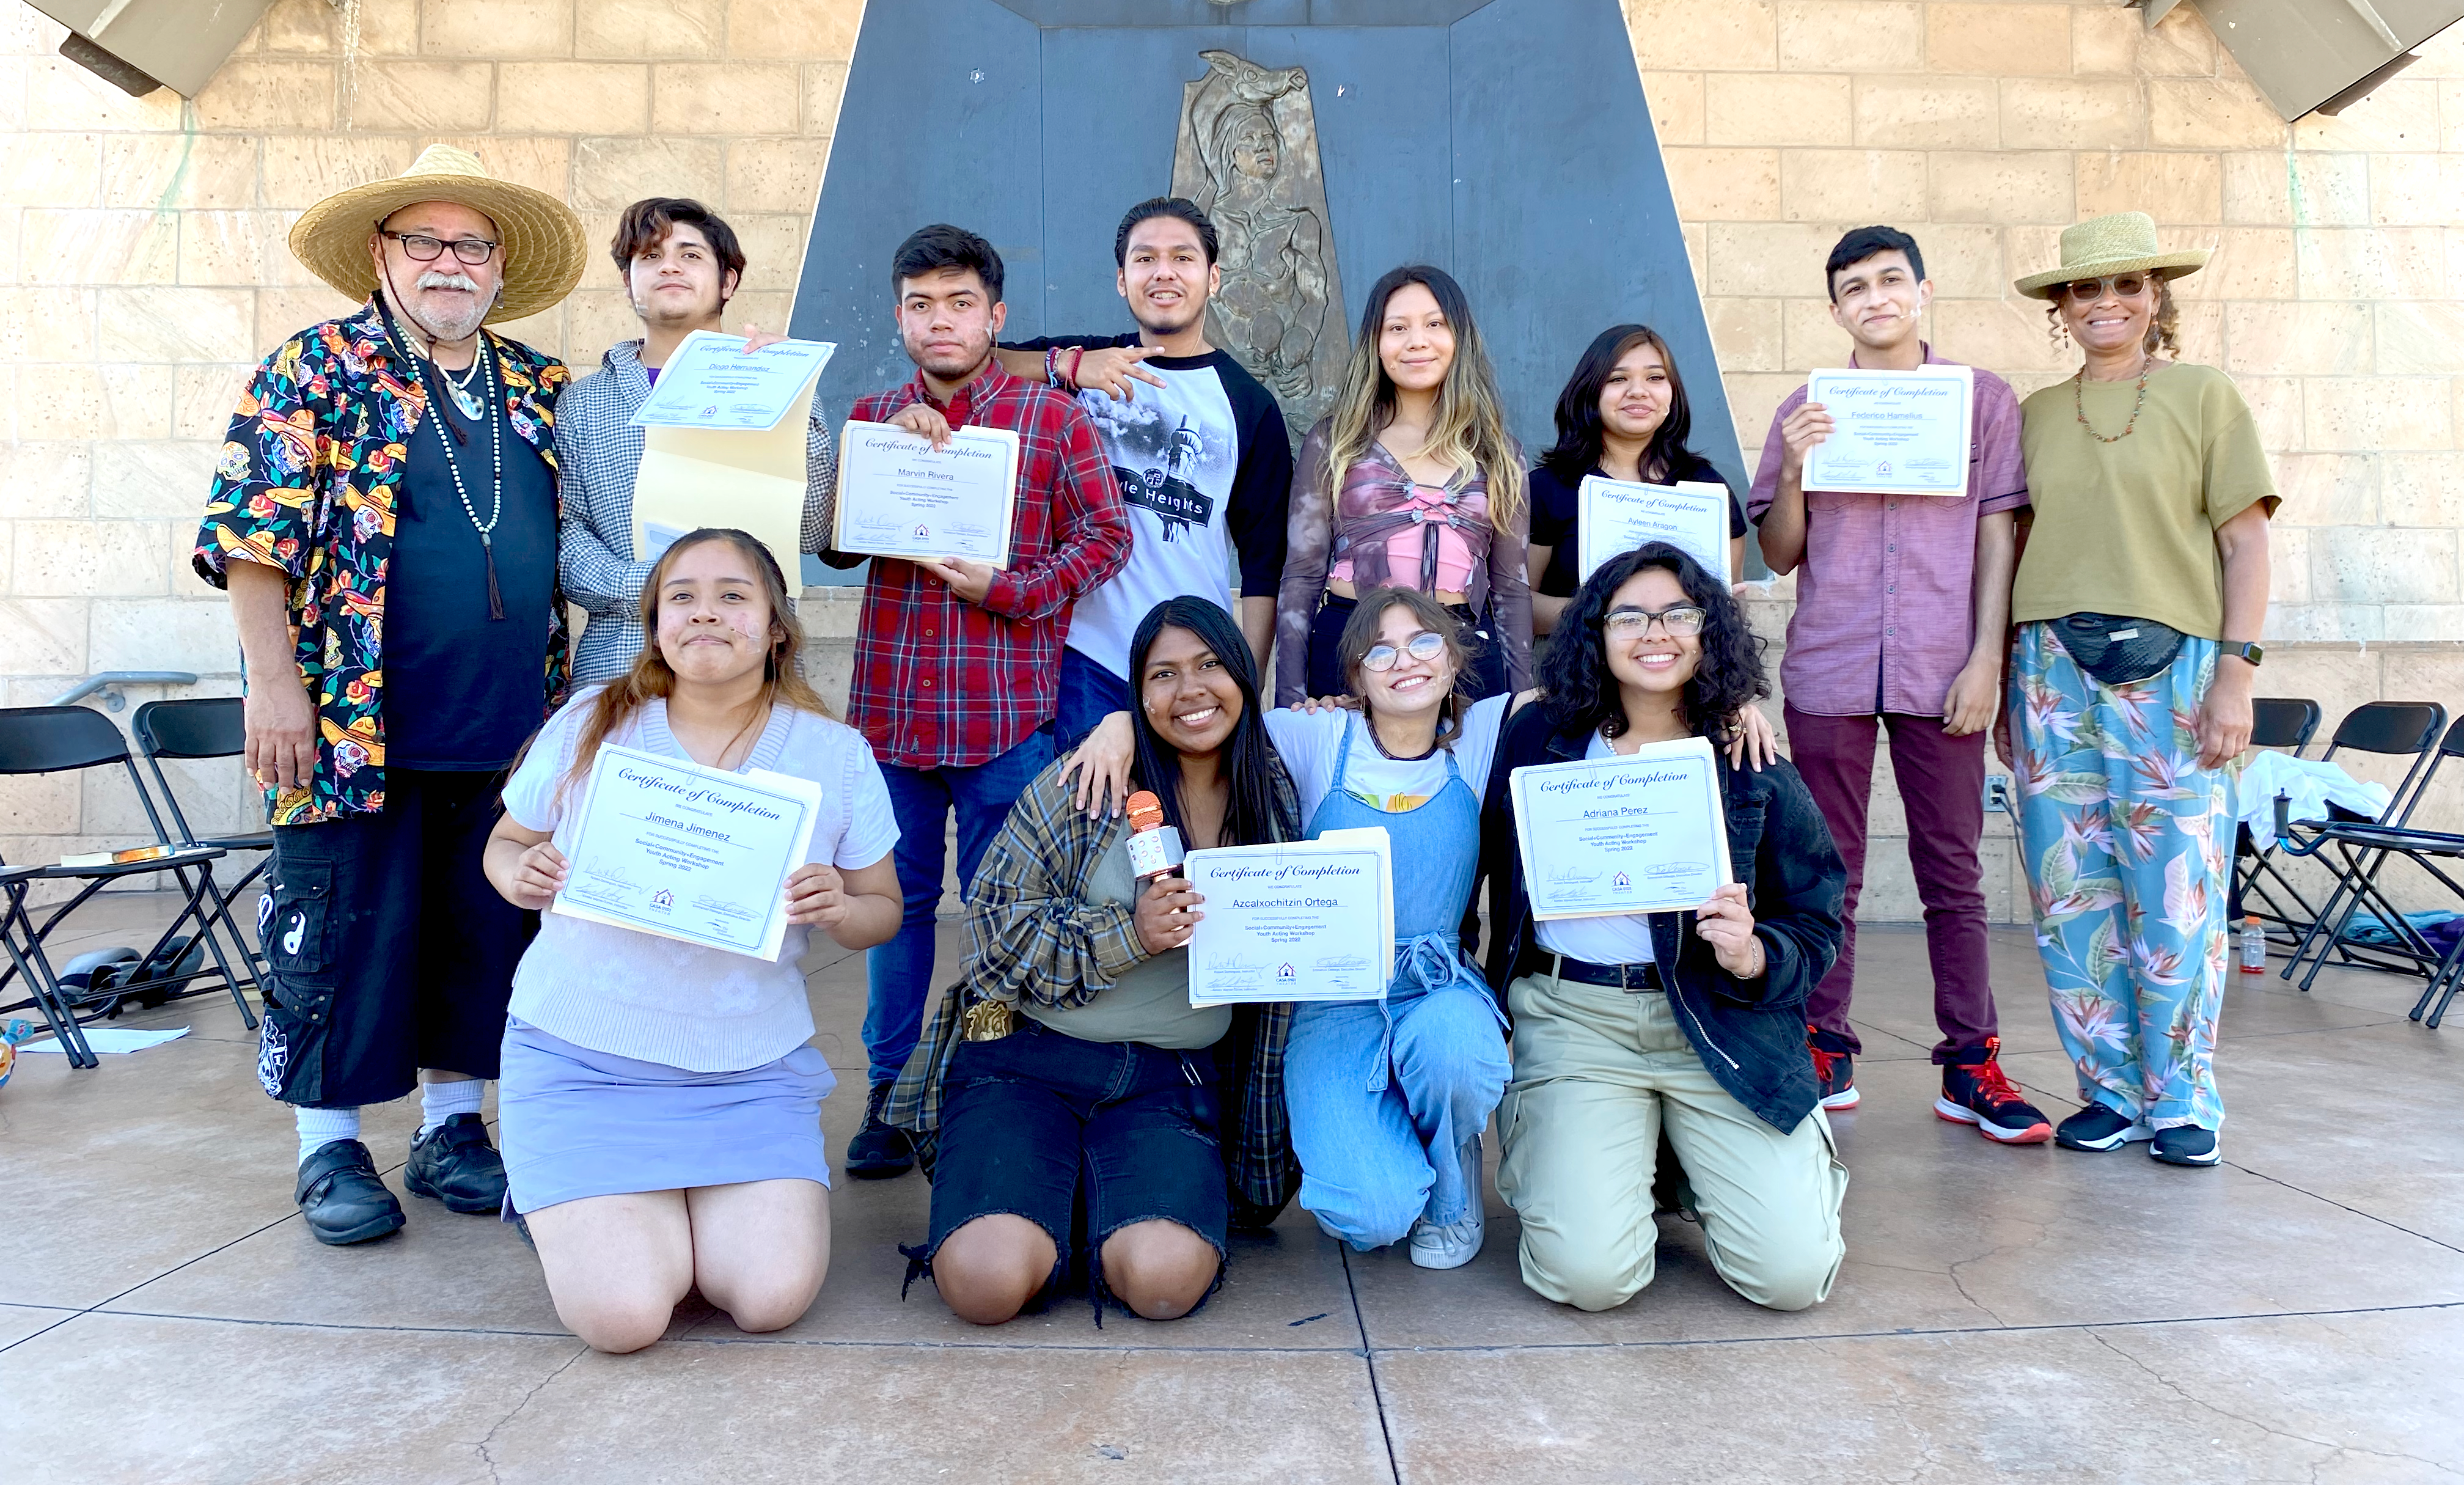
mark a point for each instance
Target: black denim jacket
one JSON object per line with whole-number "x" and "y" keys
{"x": 1750, "y": 1033}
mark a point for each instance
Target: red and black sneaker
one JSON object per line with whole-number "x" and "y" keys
{"x": 1979, "y": 1094}
{"x": 1834, "y": 1073}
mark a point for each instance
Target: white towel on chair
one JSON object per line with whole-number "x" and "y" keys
{"x": 2310, "y": 785}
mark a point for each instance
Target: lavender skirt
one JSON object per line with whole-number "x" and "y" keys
{"x": 573, "y": 1123}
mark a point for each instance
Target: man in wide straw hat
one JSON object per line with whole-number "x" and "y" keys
{"x": 384, "y": 516}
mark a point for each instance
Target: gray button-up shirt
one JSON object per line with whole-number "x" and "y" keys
{"x": 597, "y": 451}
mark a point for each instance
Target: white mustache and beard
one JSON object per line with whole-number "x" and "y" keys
{"x": 442, "y": 317}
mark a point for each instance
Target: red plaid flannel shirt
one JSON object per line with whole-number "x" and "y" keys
{"x": 941, "y": 682}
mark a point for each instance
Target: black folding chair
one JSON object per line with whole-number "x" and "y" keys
{"x": 2362, "y": 849}
{"x": 65, "y": 740}
{"x": 205, "y": 727}
{"x": 2276, "y": 721}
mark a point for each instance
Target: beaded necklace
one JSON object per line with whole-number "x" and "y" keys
{"x": 487, "y": 370}
{"x": 2078, "y": 402}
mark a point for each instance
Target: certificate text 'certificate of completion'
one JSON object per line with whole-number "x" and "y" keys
{"x": 1645, "y": 833}
{"x": 667, "y": 847}
{"x": 1310, "y": 921}
{"x": 1615, "y": 516}
{"x": 1893, "y": 432}
{"x": 900, "y": 497}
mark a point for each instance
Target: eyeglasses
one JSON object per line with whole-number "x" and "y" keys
{"x": 1681, "y": 622}
{"x": 418, "y": 248}
{"x": 2122, "y": 286}
{"x": 1424, "y": 647}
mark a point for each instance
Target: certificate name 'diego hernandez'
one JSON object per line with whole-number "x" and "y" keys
{"x": 1641, "y": 833}
{"x": 667, "y": 847}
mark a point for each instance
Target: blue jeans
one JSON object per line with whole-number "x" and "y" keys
{"x": 901, "y": 970}
{"x": 1376, "y": 1158}
{"x": 1089, "y": 693}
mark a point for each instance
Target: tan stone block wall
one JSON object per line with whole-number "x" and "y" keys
{"x": 143, "y": 269}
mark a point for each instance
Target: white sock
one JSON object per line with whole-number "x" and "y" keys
{"x": 441, "y": 1102}
{"x": 321, "y": 1127}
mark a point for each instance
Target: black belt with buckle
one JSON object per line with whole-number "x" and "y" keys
{"x": 1621, "y": 977}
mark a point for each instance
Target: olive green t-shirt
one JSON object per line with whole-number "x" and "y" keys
{"x": 2129, "y": 527}
{"x": 1149, "y": 1002}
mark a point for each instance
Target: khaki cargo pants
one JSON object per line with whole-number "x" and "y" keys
{"x": 1597, "y": 1071}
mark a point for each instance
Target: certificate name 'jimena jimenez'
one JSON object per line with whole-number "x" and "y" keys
{"x": 667, "y": 847}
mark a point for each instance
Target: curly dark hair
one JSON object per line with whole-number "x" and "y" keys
{"x": 1574, "y": 681}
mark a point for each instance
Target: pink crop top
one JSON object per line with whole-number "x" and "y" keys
{"x": 1403, "y": 546}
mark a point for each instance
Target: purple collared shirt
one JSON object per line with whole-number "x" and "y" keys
{"x": 1885, "y": 598}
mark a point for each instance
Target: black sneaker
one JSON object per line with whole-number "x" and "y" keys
{"x": 2185, "y": 1144}
{"x": 341, "y": 1196}
{"x": 2097, "y": 1127}
{"x": 1836, "y": 1074}
{"x": 455, "y": 1164}
{"x": 1977, "y": 1092}
{"x": 879, "y": 1151}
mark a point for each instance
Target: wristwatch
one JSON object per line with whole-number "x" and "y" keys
{"x": 2243, "y": 652}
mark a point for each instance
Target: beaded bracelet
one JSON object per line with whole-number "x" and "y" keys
{"x": 1052, "y": 366}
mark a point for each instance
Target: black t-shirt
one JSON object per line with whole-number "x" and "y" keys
{"x": 1553, "y": 507}
{"x": 463, "y": 691}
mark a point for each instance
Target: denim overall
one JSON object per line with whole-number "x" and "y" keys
{"x": 1383, "y": 1094}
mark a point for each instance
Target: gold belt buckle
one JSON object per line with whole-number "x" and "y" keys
{"x": 988, "y": 1021}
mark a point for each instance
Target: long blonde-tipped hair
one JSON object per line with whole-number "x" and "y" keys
{"x": 651, "y": 678}
{"x": 1468, "y": 431}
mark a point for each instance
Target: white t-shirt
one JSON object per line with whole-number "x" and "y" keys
{"x": 1310, "y": 742}
{"x": 657, "y": 1000}
{"x": 1623, "y": 940}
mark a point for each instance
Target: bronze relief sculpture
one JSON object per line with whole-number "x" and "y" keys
{"x": 1247, "y": 155}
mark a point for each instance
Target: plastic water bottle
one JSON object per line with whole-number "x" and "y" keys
{"x": 2254, "y": 946}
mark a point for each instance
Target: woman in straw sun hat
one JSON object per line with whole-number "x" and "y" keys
{"x": 391, "y": 476}
{"x": 2141, "y": 593}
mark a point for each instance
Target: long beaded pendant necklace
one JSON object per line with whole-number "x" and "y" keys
{"x": 2079, "y": 401}
{"x": 487, "y": 370}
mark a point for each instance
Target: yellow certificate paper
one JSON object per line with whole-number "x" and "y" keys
{"x": 708, "y": 457}
{"x": 1606, "y": 836}
{"x": 1307, "y": 920}
{"x": 667, "y": 847}
{"x": 900, "y": 497}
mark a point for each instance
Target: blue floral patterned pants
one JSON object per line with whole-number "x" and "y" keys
{"x": 2128, "y": 842}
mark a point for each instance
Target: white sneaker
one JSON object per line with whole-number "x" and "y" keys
{"x": 1457, "y": 1243}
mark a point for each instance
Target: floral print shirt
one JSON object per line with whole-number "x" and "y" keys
{"x": 306, "y": 483}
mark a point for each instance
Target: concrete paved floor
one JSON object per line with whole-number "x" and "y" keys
{"x": 2004, "y": 1314}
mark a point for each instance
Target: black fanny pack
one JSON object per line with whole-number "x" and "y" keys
{"x": 2115, "y": 649}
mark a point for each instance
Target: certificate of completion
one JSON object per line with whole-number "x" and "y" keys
{"x": 1614, "y": 516}
{"x": 710, "y": 382}
{"x": 1893, "y": 432}
{"x": 900, "y": 497}
{"x": 1307, "y": 920}
{"x": 667, "y": 847}
{"x": 1645, "y": 834}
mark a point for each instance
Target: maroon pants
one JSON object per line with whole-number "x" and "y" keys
{"x": 1942, "y": 785}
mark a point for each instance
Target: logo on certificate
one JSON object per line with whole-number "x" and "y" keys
{"x": 1621, "y": 882}
{"x": 923, "y": 532}
{"x": 1883, "y": 468}
{"x": 663, "y": 900}
{"x": 711, "y": 411}
{"x": 1283, "y": 974}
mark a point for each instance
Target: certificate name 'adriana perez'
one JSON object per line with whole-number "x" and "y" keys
{"x": 1646, "y": 833}
{"x": 1293, "y": 922}
{"x": 667, "y": 847}
{"x": 900, "y": 497}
